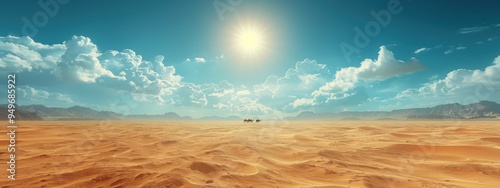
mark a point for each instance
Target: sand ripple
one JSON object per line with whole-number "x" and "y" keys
{"x": 269, "y": 154}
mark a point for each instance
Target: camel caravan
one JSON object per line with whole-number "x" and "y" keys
{"x": 251, "y": 120}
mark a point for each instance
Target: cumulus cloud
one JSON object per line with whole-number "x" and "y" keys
{"x": 80, "y": 61}
{"x": 199, "y": 60}
{"x": 190, "y": 95}
{"x": 303, "y": 102}
{"x": 384, "y": 67}
{"x": 305, "y": 76}
{"x": 460, "y": 83}
{"x": 347, "y": 79}
{"x": 298, "y": 82}
{"x": 136, "y": 75}
{"x": 307, "y": 84}
{"x": 222, "y": 89}
{"x": 23, "y": 54}
{"x": 222, "y": 96}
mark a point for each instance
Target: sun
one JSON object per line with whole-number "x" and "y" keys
{"x": 250, "y": 40}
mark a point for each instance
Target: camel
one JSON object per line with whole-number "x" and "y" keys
{"x": 251, "y": 120}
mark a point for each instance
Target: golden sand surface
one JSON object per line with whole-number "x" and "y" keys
{"x": 267, "y": 154}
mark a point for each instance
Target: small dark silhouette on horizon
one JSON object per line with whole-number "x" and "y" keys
{"x": 251, "y": 120}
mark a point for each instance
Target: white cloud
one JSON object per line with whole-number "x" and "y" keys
{"x": 459, "y": 84}
{"x": 305, "y": 76}
{"x": 140, "y": 76}
{"x": 32, "y": 94}
{"x": 222, "y": 96}
{"x": 491, "y": 39}
{"x": 298, "y": 82}
{"x": 346, "y": 79}
{"x": 223, "y": 88}
{"x": 307, "y": 84}
{"x": 477, "y": 29}
{"x": 221, "y": 106}
{"x": 156, "y": 99}
{"x": 303, "y": 102}
{"x": 473, "y": 29}
{"x": 223, "y": 93}
{"x": 386, "y": 66}
{"x": 80, "y": 61}
{"x": 22, "y": 53}
{"x": 199, "y": 60}
{"x": 434, "y": 77}
{"x": 487, "y": 40}
{"x": 253, "y": 107}
{"x": 190, "y": 95}
{"x": 452, "y": 49}
{"x": 243, "y": 92}
{"x": 221, "y": 56}
{"x": 420, "y": 50}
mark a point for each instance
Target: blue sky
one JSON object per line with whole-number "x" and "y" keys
{"x": 187, "y": 56}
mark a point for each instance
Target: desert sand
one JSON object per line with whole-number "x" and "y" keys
{"x": 267, "y": 154}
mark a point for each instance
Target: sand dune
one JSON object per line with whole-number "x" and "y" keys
{"x": 268, "y": 154}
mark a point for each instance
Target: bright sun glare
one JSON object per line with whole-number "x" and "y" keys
{"x": 250, "y": 41}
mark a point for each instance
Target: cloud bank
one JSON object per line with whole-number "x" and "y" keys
{"x": 308, "y": 85}
{"x": 466, "y": 86}
{"x": 346, "y": 80}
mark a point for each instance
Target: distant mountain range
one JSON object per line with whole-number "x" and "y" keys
{"x": 39, "y": 112}
{"x": 168, "y": 115}
{"x": 483, "y": 109}
{"x": 19, "y": 114}
{"x": 72, "y": 113}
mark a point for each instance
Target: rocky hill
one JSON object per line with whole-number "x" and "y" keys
{"x": 483, "y": 109}
{"x": 19, "y": 114}
{"x": 72, "y": 113}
